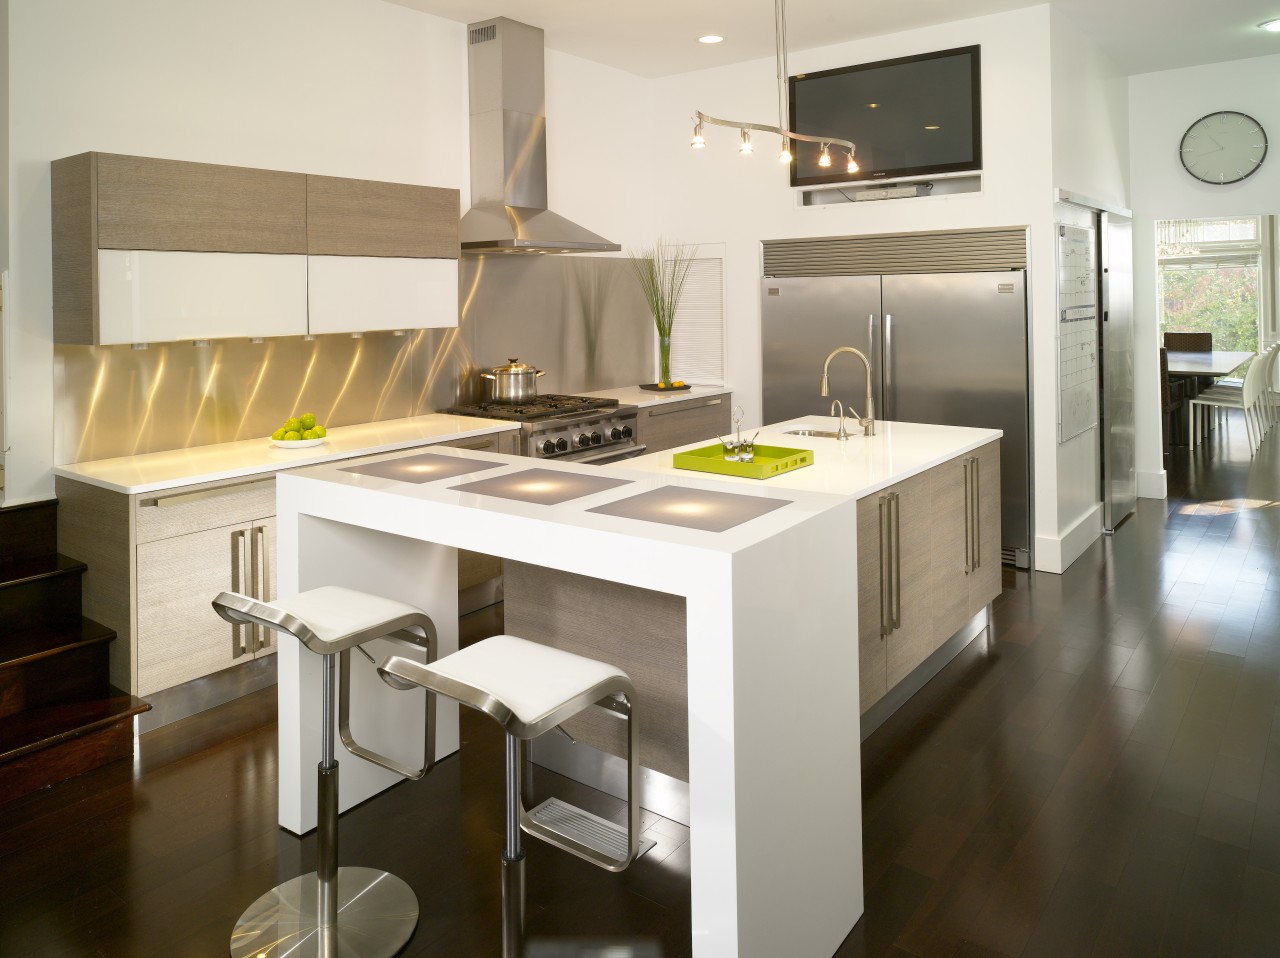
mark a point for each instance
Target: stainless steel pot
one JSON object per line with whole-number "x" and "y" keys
{"x": 514, "y": 382}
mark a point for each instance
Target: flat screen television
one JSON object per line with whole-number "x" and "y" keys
{"x": 907, "y": 117}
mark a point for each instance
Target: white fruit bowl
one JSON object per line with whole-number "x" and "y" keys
{"x": 296, "y": 443}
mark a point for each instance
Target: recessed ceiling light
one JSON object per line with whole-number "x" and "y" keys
{"x": 1271, "y": 26}
{"x": 873, "y": 105}
{"x": 710, "y": 38}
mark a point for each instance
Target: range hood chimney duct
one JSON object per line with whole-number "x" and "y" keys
{"x": 509, "y": 148}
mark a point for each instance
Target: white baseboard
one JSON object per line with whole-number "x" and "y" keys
{"x": 1153, "y": 485}
{"x": 1056, "y": 554}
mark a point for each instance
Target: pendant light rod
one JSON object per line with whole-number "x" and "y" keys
{"x": 701, "y": 117}
{"x": 780, "y": 54}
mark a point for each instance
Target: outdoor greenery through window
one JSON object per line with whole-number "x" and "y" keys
{"x": 1211, "y": 278}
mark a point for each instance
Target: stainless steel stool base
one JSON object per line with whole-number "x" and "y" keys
{"x": 377, "y": 914}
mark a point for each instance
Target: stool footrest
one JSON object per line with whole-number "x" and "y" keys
{"x": 579, "y": 825}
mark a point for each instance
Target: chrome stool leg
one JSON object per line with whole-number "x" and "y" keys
{"x": 332, "y": 912}
{"x": 513, "y": 859}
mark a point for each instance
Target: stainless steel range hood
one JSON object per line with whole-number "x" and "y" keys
{"x": 509, "y": 148}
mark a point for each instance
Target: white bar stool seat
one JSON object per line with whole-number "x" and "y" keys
{"x": 529, "y": 689}
{"x": 335, "y": 912}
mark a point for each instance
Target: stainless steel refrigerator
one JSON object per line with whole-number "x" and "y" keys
{"x": 948, "y": 348}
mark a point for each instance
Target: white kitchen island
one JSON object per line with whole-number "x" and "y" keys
{"x": 776, "y": 837}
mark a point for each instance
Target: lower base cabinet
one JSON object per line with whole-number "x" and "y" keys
{"x": 928, "y": 561}
{"x": 156, "y": 561}
{"x": 669, "y": 424}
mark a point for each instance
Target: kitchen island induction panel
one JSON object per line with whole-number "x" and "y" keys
{"x": 427, "y": 467}
{"x": 545, "y": 487}
{"x": 692, "y": 508}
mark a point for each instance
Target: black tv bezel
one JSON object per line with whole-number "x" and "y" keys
{"x": 870, "y": 177}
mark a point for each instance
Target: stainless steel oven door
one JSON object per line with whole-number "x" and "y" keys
{"x": 605, "y": 456}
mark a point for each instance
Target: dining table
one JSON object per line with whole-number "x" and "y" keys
{"x": 1217, "y": 362}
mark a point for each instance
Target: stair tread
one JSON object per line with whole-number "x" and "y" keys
{"x": 45, "y": 567}
{"x": 30, "y": 731}
{"x": 20, "y": 648}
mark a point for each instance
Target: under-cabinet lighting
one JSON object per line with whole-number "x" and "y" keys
{"x": 257, "y": 340}
{"x": 139, "y": 345}
{"x": 202, "y": 342}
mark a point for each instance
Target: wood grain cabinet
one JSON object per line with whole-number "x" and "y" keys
{"x": 928, "y": 561}
{"x": 670, "y": 424}
{"x": 156, "y": 561}
{"x": 203, "y": 251}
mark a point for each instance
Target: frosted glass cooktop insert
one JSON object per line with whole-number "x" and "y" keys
{"x": 545, "y": 487}
{"x": 427, "y": 467}
{"x": 692, "y": 508}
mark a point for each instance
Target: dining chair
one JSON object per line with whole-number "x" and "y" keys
{"x": 1180, "y": 342}
{"x": 1245, "y": 399}
{"x": 1173, "y": 395}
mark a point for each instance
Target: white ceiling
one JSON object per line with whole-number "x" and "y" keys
{"x": 653, "y": 38}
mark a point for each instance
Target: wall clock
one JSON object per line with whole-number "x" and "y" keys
{"x": 1223, "y": 147}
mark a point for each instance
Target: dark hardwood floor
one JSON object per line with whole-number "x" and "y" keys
{"x": 1100, "y": 778}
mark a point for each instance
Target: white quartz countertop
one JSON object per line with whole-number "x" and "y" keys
{"x": 855, "y": 467}
{"x": 635, "y": 396}
{"x": 151, "y": 472}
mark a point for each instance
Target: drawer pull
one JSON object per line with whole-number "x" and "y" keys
{"x": 185, "y": 497}
{"x": 685, "y": 407}
{"x": 486, "y": 443}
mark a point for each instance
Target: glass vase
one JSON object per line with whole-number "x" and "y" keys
{"x": 664, "y": 359}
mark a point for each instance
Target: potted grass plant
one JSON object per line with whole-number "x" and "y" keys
{"x": 662, "y": 270}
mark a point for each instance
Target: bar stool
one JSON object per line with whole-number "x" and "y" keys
{"x": 530, "y": 688}
{"x": 335, "y": 912}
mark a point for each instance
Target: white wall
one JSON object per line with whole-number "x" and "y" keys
{"x": 1162, "y": 105}
{"x": 1090, "y": 158}
{"x": 358, "y": 88}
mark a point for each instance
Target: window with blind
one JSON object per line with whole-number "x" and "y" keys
{"x": 1214, "y": 277}
{"x": 697, "y": 335}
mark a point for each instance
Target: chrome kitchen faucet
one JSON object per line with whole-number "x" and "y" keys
{"x": 868, "y": 424}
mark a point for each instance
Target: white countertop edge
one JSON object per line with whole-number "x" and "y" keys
{"x": 344, "y": 442}
{"x": 635, "y": 396}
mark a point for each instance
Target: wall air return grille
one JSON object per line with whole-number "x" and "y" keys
{"x": 961, "y": 251}
{"x": 483, "y": 34}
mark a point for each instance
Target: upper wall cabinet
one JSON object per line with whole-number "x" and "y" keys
{"x": 103, "y": 201}
{"x": 368, "y": 218}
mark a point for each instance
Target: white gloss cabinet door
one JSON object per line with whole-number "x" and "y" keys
{"x": 152, "y": 296}
{"x": 356, "y": 293}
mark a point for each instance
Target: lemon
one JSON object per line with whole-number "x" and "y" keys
{"x": 293, "y": 425}
{"x": 279, "y": 434}
{"x": 292, "y": 435}
{"x": 320, "y": 431}
{"x": 308, "y": 420}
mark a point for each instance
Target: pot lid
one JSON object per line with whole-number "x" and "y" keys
{"x": 515, "y": 368}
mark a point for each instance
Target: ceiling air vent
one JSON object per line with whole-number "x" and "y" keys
{"x": 485, "y": 33}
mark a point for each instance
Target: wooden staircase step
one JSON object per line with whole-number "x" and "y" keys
{"x": 42, "y": 592}
{"x": 28, "y": 531}
{"x": 46, "y": 667}
{"x": 44, "y": 746}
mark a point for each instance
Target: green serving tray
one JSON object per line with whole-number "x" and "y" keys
{"x": 770, "y": 461}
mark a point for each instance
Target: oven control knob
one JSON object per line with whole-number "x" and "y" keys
{"x": 562, "y": 444}
{"x": 626, "y": 432}
{"x": 615, "y": 433}
{"x": 548, "y": 448}
{"x": 584, "y": 440}
{"x": 596, "y": 438}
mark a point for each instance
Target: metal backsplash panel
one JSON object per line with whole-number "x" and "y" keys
{"x": 582, "y": 319}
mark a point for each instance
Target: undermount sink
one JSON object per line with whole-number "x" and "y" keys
{"x": 816, "y": 433}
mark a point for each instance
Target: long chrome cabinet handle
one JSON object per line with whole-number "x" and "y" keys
{"x": 968, "y": 516}
{"x": 886, "y": 614}
{"x": 237, "y": 585}
{"x": 260, "y": 576}
{"x": 977, "y": 512}
{"x": 896, "y": 517}
{"x": 683, "y": 407}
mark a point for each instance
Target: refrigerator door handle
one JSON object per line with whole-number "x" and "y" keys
{"x": 887, "y": 376}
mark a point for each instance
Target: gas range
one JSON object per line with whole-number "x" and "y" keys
{"x": 573, "y": 428}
